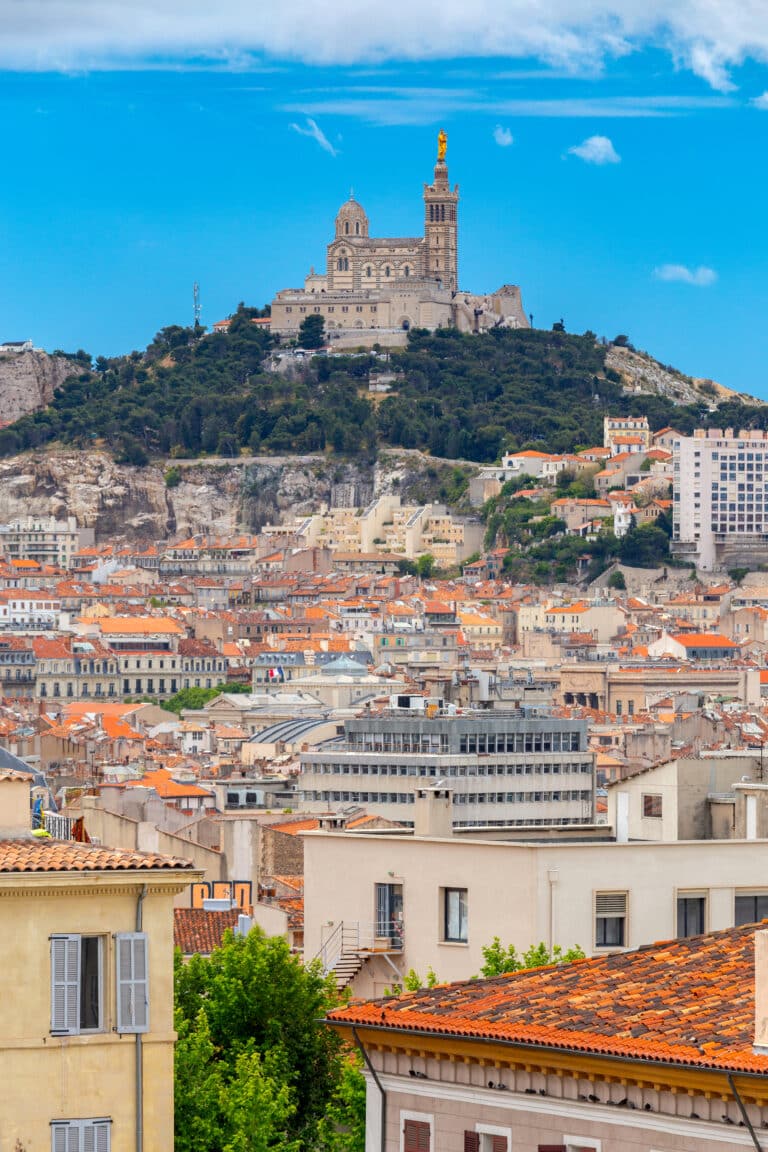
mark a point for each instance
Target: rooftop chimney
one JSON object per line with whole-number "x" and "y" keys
{"x": 15, "y": 816}
{"x": 433, "y": 810}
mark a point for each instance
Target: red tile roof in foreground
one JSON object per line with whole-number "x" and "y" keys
{"x": 687, "y": 1002}
{"x": 44, "y": 855}
{"x": 198, "y": 930}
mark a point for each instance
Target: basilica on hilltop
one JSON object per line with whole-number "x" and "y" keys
{"x": 375, "y": 289}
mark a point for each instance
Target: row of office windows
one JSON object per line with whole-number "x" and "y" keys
{"x": 461, "y": 771}
{"x": 460, "y": 798}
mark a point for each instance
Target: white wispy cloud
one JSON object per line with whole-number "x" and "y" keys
{"x": 701, "y": 277}
{"x": 760, "y": 101}
{"x": 709, "y": 37}
{"x": 503, "y": 136}
{"x": 596, "y": 150}
{"x": 315, "y": 132}
{"x": 407, "y": 106}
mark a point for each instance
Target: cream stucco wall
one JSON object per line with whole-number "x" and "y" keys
{"x": 45, "y": 1077}
{"x": 523, "y": 893}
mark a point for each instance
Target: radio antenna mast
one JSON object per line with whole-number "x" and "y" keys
{"x": 196, "y": 302}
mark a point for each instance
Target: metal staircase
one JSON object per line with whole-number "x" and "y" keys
{"x": 352, "y": 944}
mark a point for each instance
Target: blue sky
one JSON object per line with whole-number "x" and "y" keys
{"x": 618, "y": 178}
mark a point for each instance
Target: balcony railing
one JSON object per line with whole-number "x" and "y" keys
{"x": 353, "y": 938}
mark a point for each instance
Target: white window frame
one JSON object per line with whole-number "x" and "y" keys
{"x": 420, "y": 1118}
{"x": 493, "y": 1130}
{"x": 573, "y": 1142}
{"x": 99, "y": 1127}
{"x": 601, "y": 949}
{"x": 77, "y": 938}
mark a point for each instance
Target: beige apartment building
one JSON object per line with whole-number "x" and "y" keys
{"x": 86, "y": 1037}
{"x": 627, "y": 690}
{"x": 378, "y": 905}
{"x": 44, "y": 539}
{"x": 388, "y": 526}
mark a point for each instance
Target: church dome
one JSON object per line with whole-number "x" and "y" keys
{"x": 351, "y": 220}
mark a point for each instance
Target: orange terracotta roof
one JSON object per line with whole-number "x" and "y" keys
{"x": 704, "y": 640}
{"x": 687, "y": 1001}
{"x": 197, "y": 930}
{"x": 292, "y": 828}
{"x": 67, "y": 856}
{"x": 119, "y": 625}
{"x": 163, "y": 783}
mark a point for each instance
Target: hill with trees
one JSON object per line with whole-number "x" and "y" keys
{"x": 192, "y": 393}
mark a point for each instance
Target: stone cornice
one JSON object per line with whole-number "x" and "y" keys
{"x": 168, "y": 882}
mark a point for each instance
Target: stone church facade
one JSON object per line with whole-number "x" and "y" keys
{"x": 377, "y": 288}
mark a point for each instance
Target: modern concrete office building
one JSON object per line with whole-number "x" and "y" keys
{"x": 507, "y": 769}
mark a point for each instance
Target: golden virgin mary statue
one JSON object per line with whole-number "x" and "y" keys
{"x": 442, "y": 144}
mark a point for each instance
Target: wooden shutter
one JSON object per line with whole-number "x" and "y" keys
{"x": 132, "y": 982}
{"x": 416, "y": 1136}
{"x": 498, "y": 1144}
{"x": 552, "y": 1148}
{"x": 65, "y": 985}
{"x": 471, "y": 1142}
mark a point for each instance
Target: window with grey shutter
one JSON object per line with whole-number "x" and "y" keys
{"x": 132, "y": 982}
{"x": 81, "y": 1135}
{"x": 65, "y": 986}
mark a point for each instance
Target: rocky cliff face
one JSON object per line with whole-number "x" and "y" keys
{"x": 213, "y": 496}
{"x": 641, "y": 374}
{"x": 28, "y": 381}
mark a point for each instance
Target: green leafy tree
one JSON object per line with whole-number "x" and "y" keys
{"x": 249, "y": 1018}
{"x": 616, "y": 580}
{"x": 425, "y": 566}
{"x": 737, "y": 574}
{"x": 499, "y": 959}
{"x": 312, "y": 331}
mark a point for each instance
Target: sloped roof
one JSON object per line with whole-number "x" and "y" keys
{"x": 197, "y": 930}
{"x": 687, "y": 1001}
{"x": 67, "y": 856}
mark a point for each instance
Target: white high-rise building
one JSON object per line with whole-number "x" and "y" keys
{"x": 720, "y": 509}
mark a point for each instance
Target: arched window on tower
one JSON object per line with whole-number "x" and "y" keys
{"x": 346, "y": 264}
{"x": 346, "y": 227}
{"x": 339, "y": 264}
{"x": 406, "y": 271}
{"x": 442, "y": 211}
{"x": 368, "y": 271}
{"x": 386, "y": 270}
{"x": 357, "y": 227}
{"x": 453, "y": 215}
{"x": 432, "y": 212}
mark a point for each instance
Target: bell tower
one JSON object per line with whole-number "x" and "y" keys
{"x": 440, "y": 224}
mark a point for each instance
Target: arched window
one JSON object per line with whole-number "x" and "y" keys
{"x": 339, "y": 264}
{"x": 442, "y": 211}
{"x": 406, "y": 271}
{"x": 346, "y": 264}
{"x": 369, "y": 271}
{"x": 453, "y": 215}
{"x": 346, "y": 227}
{"x": 386, "y": 270}
{"x": 432, "y": 212}
{"x": 357, "y": 227}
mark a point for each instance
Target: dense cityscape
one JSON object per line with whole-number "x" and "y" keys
{"x": 383, "y": 709}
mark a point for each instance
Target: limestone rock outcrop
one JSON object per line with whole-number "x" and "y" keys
{"x": 212, "y": 496}
{"x": 28, "y": 381}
